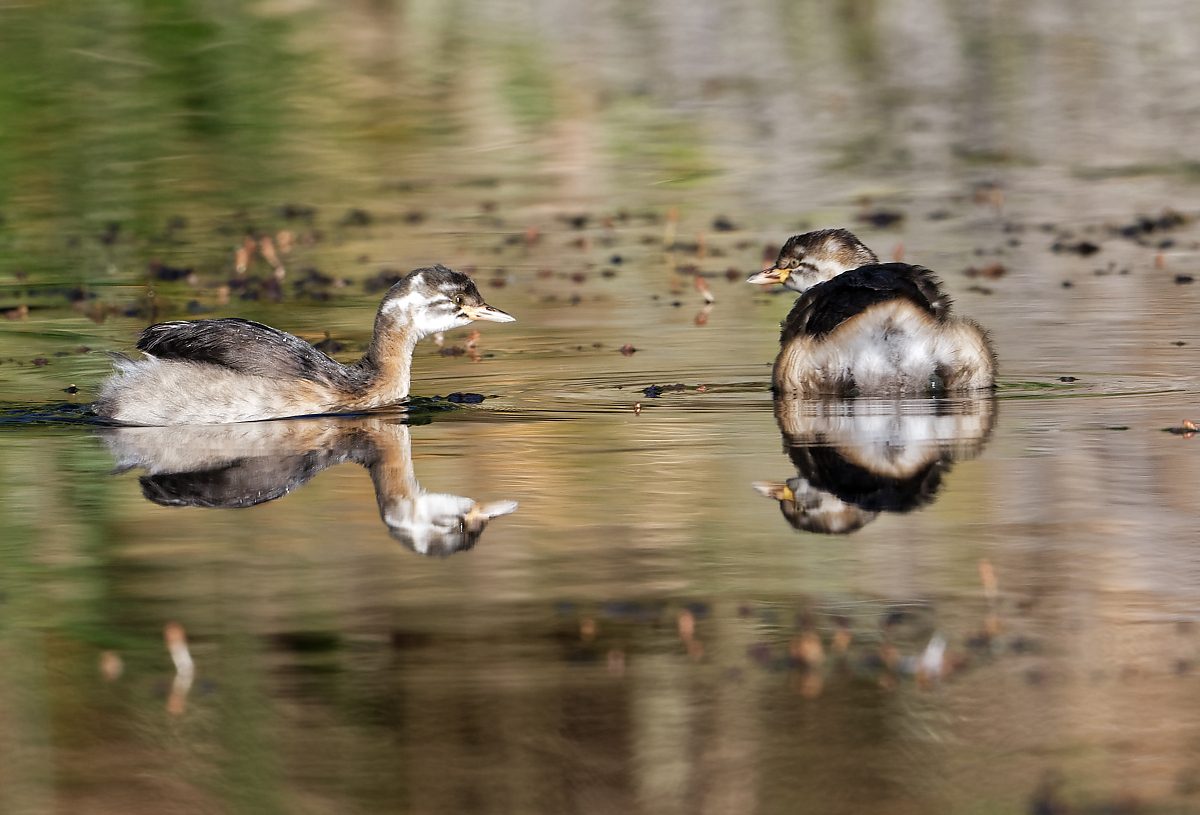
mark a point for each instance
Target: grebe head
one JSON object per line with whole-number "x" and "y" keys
{"x": 814, "y": 257}
{"x": 436, "y": 299}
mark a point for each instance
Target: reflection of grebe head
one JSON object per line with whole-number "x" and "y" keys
{"x": 437, "y": 524}
{"x": 814, "y": 257}
{"x": 811, "y": 510}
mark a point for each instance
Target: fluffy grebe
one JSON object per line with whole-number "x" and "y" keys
{"x": 861, "y": 327}
{"x": 233, "y": 370}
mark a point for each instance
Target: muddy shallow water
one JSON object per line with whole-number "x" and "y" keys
{"x": 627, "y": 580}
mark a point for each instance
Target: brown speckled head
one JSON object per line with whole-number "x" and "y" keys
{"x": 814, "y": 257}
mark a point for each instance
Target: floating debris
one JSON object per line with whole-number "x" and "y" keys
{"x": 1081, "y": 248}
{"x": 654, "y": 391}
{"x": 628, "y": 350}
{"x": 460, "y": 398}
{"x": 990, "y": 272}
{"x": 185, "y": 669}
{"x": 1187, "y": 428}
{"x": 297, "y": 212}
{"x": 161, "y": 271}
{"x": 705, "y": 290}
{"x": 881, "y": 218}
{"x": 382, "y": 280}
{"x": 329, "y": 345}
{"x": 111, "y": 666}
{"x": 356, "y": 217}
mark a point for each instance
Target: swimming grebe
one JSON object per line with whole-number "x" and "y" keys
{"x": 861, "y": 327}
{"x": 233, "y": 370}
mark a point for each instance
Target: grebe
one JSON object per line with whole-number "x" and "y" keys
{"x": 861, "y": 327}
{"x": 234, "y": 370}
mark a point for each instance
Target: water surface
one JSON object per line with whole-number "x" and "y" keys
{"x": 599, "y": 589}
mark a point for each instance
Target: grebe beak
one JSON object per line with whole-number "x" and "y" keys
{"x": 485, "y": 312}
{"x": 770, "y": 276}
{"x": 779, "y": 490}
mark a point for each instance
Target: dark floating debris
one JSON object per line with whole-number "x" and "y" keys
{"x": 1187, "y": 428}
{"x": 881, "y": 218}
{"x": 329, "y": 345}
{"x": 655, "y": 391}
{"x": 382, "y": 280}
{"x": 356, "y": 217}
{"x": 297, "y": 212}
{"x": 111, "y": 232}
{"x": 1181, "y": 279}
{"x": 1145, "y": 224}
{"x": 990, "y": 271}
{"x": 723, "y": 224}
{"x": 1082, "y": 248}
{"x": 1067, "y": 378}
{"x": 71, "y": 389}
{"x": 460, "y": 398}
{"x": 627, "y": 350}
{"x": 162, "y": 271}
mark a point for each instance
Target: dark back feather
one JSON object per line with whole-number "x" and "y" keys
{"x": 244, "y": 346}
{"x": 827, "y": 305}
{"x": 828, "y": 470}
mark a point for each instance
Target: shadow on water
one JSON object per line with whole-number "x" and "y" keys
{"x": 858, "y": 458}
{"x": 243, "y": 465}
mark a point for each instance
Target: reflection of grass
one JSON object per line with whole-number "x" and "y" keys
{"x": 528, "y": 86}
{"x": 132, "y": 118}
{"x": 645, "y": 139}
{"x": 1186, "y": 169}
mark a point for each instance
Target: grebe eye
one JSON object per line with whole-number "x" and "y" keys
{"x": 459, "y": 299}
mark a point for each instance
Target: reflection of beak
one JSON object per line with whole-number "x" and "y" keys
{"x": 485, "y": 312}
{"x": 479, "y": 514}
{"x": 770, "y": 276}
{"x": 779, "y": 490}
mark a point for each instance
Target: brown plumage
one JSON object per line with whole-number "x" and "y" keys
{"x": 234, "y": 370}
{"x": 861, "y": 327}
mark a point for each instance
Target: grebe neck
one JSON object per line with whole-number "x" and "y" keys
{"x": 388, "y": 361}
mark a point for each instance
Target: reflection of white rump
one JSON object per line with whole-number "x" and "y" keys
{"x": 240, "y": 465}
{"x": 857, "y": 458}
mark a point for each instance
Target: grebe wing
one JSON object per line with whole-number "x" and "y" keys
{"x": 827, "y": 305}
{"x": 240, "y": 345}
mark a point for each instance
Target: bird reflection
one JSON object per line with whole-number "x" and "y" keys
{"x": 857, "y": 458}
{"x": 241, "y": 465}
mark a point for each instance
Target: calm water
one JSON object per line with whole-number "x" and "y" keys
{"x": 577, "y": 595}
